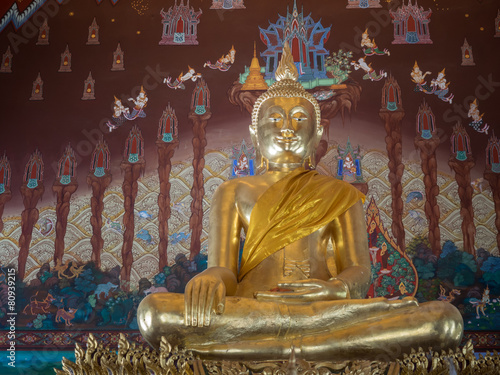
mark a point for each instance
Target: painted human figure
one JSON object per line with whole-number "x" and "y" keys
{"x": 288, "y": 290}
{"x": 224, "y": 63}
{"x": 140, "y": 102}
{"x": 441, "y": 87}
{"x": 477, "y": 119}
{"x": 370, "y": 47}
{"x": 371, "y": 74}
{"x": 179, "y": 82}
{"x": 417, "y": 76}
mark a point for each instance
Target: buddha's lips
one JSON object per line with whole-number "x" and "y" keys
{"x": 286, "y": 139}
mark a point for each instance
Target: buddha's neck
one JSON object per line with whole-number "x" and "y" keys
{"x": 283, "y": 167}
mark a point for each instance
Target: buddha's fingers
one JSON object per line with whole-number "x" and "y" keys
{"x": 187, "y": 303}
{"x": 195, "y": 295}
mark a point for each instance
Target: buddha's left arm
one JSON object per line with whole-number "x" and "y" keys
{"x": 352, "y": 255}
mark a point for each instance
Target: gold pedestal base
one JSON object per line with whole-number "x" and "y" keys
{"x": 132, "y": 359}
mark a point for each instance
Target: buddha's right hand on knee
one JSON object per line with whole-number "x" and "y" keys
{"x": 204, "y": 295}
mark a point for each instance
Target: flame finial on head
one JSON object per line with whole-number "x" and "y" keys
{"x": 286, "y": 67}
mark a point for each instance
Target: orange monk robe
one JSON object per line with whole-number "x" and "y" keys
{"x": 294, "y": 207}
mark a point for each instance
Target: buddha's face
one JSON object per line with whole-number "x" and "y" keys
{"x": 286, "y": 132}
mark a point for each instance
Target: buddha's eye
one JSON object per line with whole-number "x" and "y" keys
{"x": 275, "y": 118}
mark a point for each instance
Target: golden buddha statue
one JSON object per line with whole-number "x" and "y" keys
{"x": 290, "y": 288}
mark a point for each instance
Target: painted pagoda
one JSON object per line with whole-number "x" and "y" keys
{"x": 66, "y": 168}
{"x": 33, "y": 173}
{"x": 167, "y": 131}
{"x": 6, "y": 62}
{"x": 5, "y": 175}
{"x": 467, "y": 57}
{"x": 227, "y": 4}
{"x": 180, "y": 25}
{"x": 306, "y": 38}
{"x": 411, "y": 24}
{"x": 134, "y": 146}
{"x": 391, "y": 95}
{"x": 100, "y": 162}
{"x": 493, "y": 154}
{"x": 426, "y": 121}
{"x": 118, "y": 59}
{"x": 37, "y": 90}
{"x": 65, "y": 61}
{"x": 363, "y": 4}
{"x": 93, "y": 37}
{"x": 460, "y": 143}
{"x": 200, "y": 100}
{"x": 88, "y": 88}
{"x": 243, "y": 161}
{"x": 349, "y": 164}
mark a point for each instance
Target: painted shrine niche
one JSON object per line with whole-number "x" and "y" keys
{"x": 66, "y": 168}
{"x": 200, "y": 100}
{"x": 306, "y": 38}
{"x": 88, "y": 88}
{"x": 363, "y": 4}
{"x": 391, "y": 95}
{"x": 243, "y": 161}
{"x": 349, "y": 164}
{"x": 93, "y": 37}
{"x": 33, "y": 173}
{"x": 467, "y": 57}
{"x": 37, "y": 90}
{"x": 227, "y": 4}
{"x": 493, "y": 154}
{"x": 43, "y": 34}
{"x": 497, "y": 25}
{"x": 134, "y": 146}
{"x": 426, "y": 121}
{"x": 6, "y": 66}
{"x": 5, "y": 175}
{"x": 167, "y": 129}
{"x": 393, "y": 274}
{"x": 411, "y": 24}
{"x": 118, "y": 59}
{"x": 65, "y": 61}
{"x": 99, "y": 164}
{"x": 460, "y": 143}
{"x": 180, "y": 25}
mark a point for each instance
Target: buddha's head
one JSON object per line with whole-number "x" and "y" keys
{"x": 286, "y": 119}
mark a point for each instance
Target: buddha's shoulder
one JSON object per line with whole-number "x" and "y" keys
{"x": 243, "y": 185}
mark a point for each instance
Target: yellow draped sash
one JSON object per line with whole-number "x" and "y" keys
{"x": 292, "y": 208}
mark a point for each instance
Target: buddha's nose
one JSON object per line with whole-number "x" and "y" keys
{"x": 287, "y": 133}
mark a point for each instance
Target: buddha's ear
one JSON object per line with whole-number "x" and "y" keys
{"x": 253, "y": 135}
{"x": 319, "y": 133}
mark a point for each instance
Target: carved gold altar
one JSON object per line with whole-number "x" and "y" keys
{"x": 132, "y": 359}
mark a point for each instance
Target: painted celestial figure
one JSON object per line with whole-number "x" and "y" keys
{"x": 43, "y": 34}
{"x": 180, "y": 25}
{"x": 467, "y": 57}
{"x": 119, "y": 111}
{"x": 438, "y": 87}
{"x": 65, "y": 61}
{"x": 88, "y": 88}
{"x": 37, "y": 90}
{"x": 167, "y": 131}
{"x": 140, "y": 102}
{"x": 370, "y": 73}
{"x": 6, "y": 66}
{"x": 411, "y": 24}
{"x": 227, "y": 4}
{"x": 224, "y": 63}
{"x": 363, "y": 4}
{"x": 370, "y": 47}
{"x": 480, "y": 304}
{"x": 477, "y": 119}
{"x": 179, "y": 82}
{"x": 93, "y": 37}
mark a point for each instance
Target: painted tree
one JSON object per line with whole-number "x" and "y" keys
{"x": 392, "y": 114}
{"x": 5, "y": 193}
{"x": 427, "y": 142}
{"x": 64, "y": 186}
{"x": 492, "y": 175}
{"x": 199, "y": 115}
{"x": 166, "y": 143}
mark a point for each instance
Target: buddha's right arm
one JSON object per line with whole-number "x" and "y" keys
{"x": 206, "y": 292}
